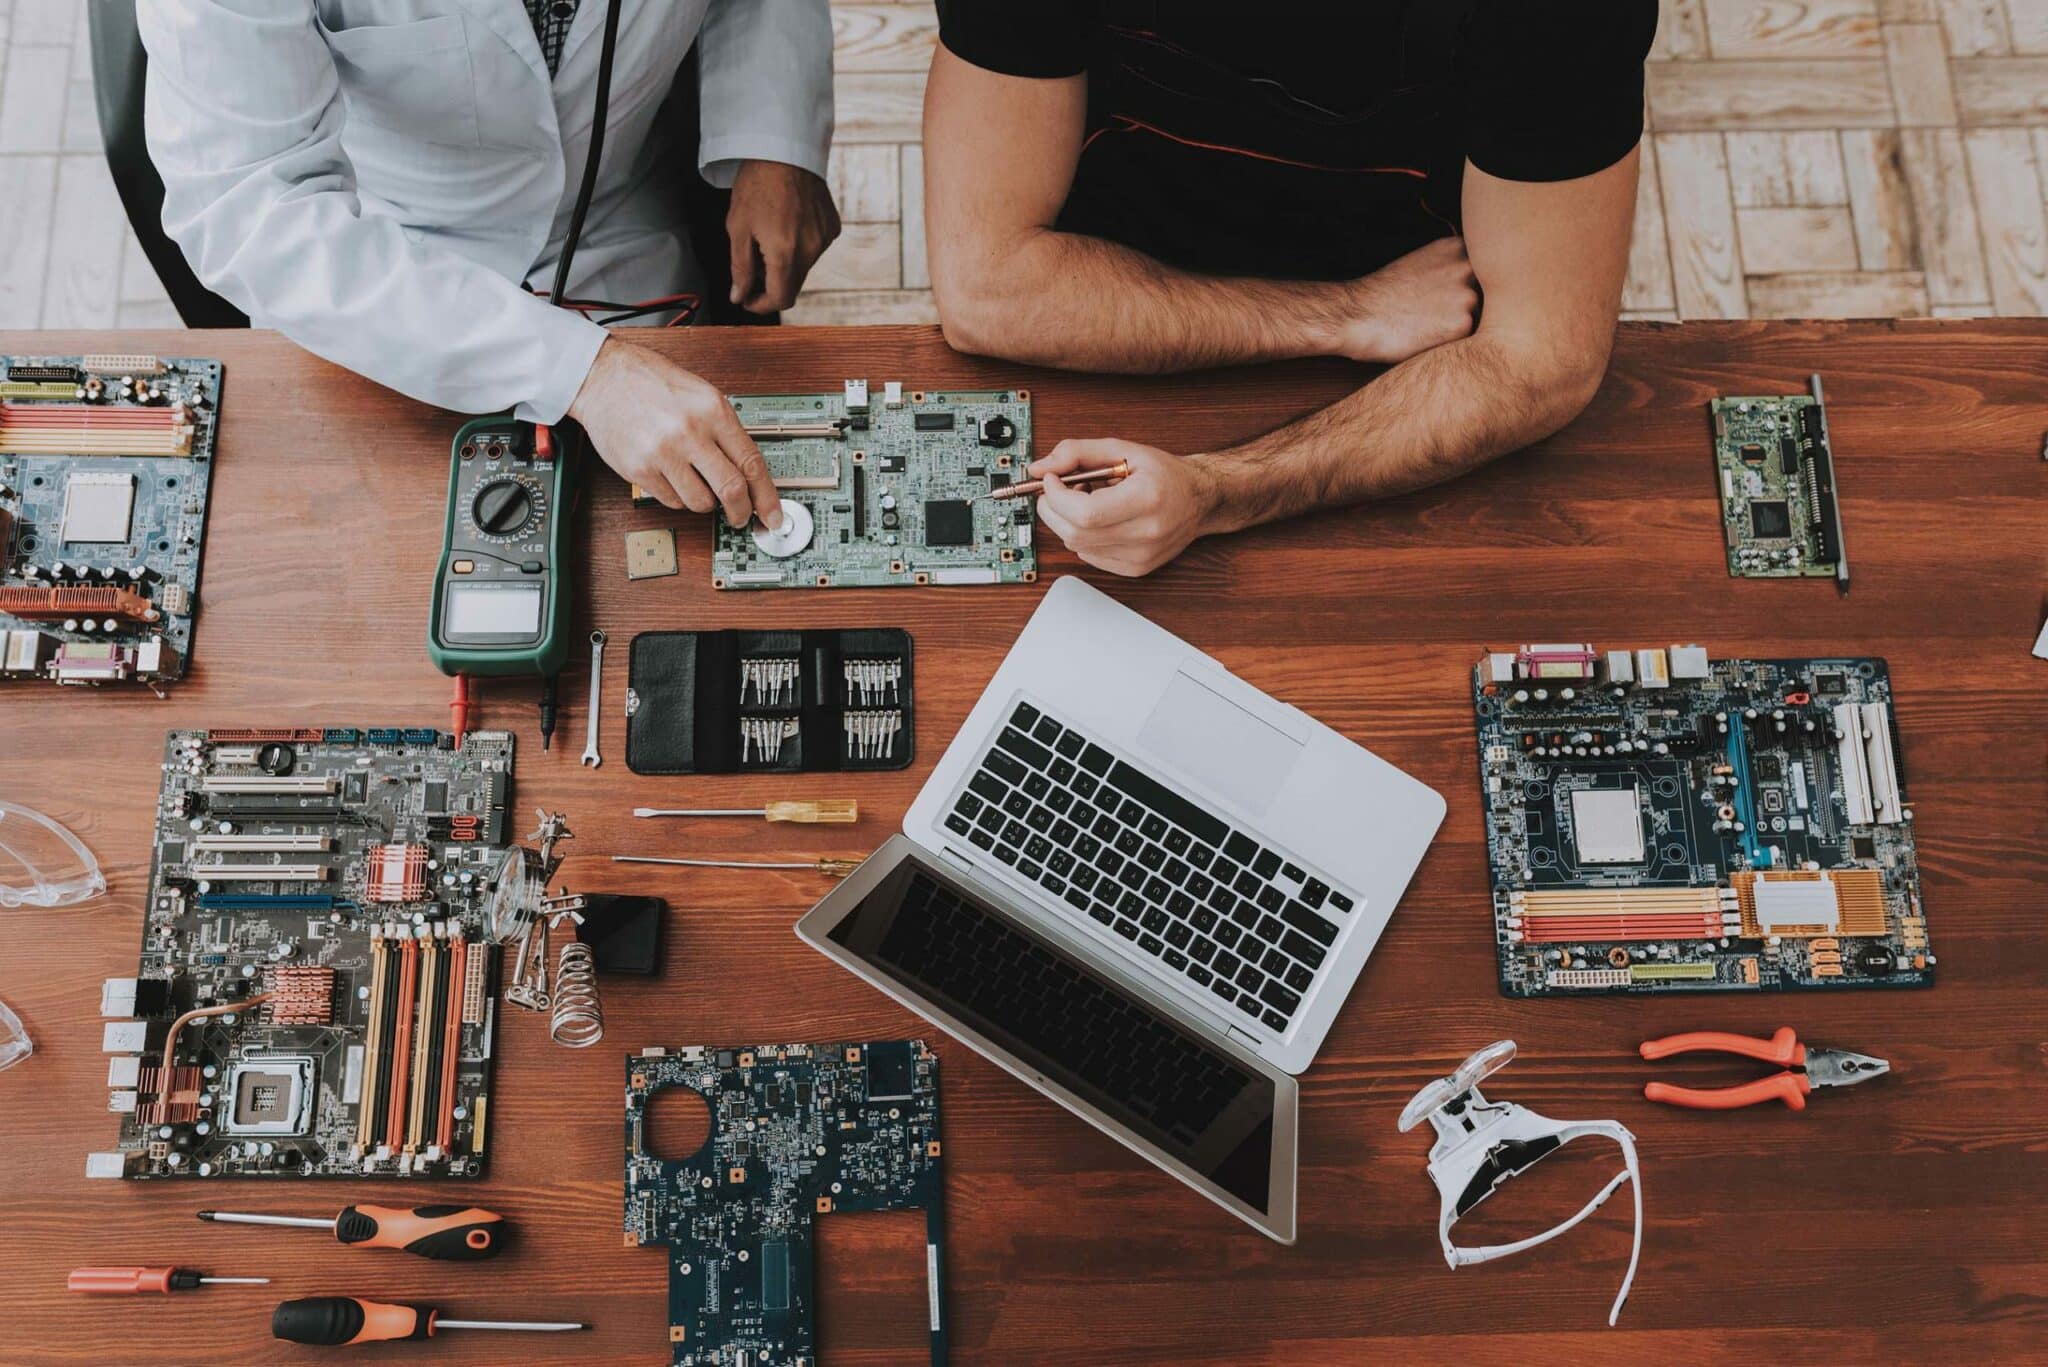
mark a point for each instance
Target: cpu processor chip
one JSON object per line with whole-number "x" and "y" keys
{"x": 1607, "y": 826}
{"x": 270, "y": 1094}
{"x": 98, "y": 508}
{"x": 650, "y": 554}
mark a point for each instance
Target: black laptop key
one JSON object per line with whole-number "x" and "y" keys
{"x": 1087, "y": 846}
{"x": 1156, "y": 889}
{"x": 1109, "y": 861}
{"x": 1227, "y": 964}
{"x": 1102, "y": 912}
{"x": 1025, "y": 748}
{"x": 958, "y": 824}
{"x": 991, "y": 819}
{"x": 1152, "y": 857}
{"x": 1202, "y": 976}
{"x": 1267, "y": 864}
{"x": 1177, "y": 841}
{"x": 1105, "y": 827}
{"x": 1303, "y": 948}
{"x": 1004, "y": 766}
{"x": 1038, "y": 785}
{"x": 1199, "y": 886}
{"x": 1129, "y": 842}
{"x": 1178, "y": 934}
{"x": 1062, "y": 862}
{"x": 1060, "y": 800}
{"x": 1315, "y": 892}
{"x": 1097, "y": 760}
{"x": 1247, "y": 884}
{"x": 1222, "y": 988}
{"x": 1245, "y": 914}
{"x": 1200, "y": 855}
{"x": 1240, "y": 847}
{"x": 1248, "y": 1002}
{"x": 1151, "y": 944}
{"x": 1202, "y": 950}
{"x": 982, "y": 839}
{"x": 1153, "y": 827}
{"x": 1167, "y": 803}
{"x": 1070, "y": 745}
{"x": 1180, "y": 904}
{"x": 1127, "y": 929}
{"x": 1016, "y": 832}
{"x": 1308, "y": 923}
{"x": 1271, "y": 898}
{"x": 1006, "y": 854}
{"x": 1129, "y": 812}
{"x": 1174, "y": 958}
{"x": 1270, "y": 930}
{"x": 1132, "y": 876}
{"x": 1340, "y": 901}
{"x": 1299, "y": 978}
{"x": 1037, "y": 847}
{"x": 1273, "y": 1018}
{"x": 1047, "y": 730}
{"x": 1029, "y": 869}
{"x": 1132, "y": 905}
{"x": 1275, "y": 962}
{"x": 1016, "y": 804}
{"x": 1109, "y": 799}
{"x": 1224, "y": 872}
{"x": 1203, "y": 917}
{"x": 1039, "y": 819}
{"x": 1084, "y": 784}
{"x": 987, "y": 785}
{"x": 1062, "y": 771}
{"x": 1293, "y": 872}
{"x": 1084, "y": 875}
{"x": 1154, "y": 919}
{"x": 1280, "y": 997}
{"x": 1227, "y": 934}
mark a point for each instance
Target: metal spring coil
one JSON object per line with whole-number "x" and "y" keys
{"x": 577, "y": 1018}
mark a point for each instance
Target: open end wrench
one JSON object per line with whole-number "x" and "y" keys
{"x": 591, "y": 759}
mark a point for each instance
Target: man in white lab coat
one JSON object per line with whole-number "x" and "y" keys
{"x": 389, "y": 183}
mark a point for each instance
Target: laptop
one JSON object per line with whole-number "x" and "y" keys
{"x": 1145, "y": 888}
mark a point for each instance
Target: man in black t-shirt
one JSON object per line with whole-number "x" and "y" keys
{"x": 1155, "y": 185}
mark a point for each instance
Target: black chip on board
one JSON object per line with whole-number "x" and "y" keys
{"x": 1770, "y": 521}
{"x": 934, "y": 422}
{"x": 948, "y": 522}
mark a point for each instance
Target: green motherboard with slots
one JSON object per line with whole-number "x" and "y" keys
{"x": 798, "y": 1131}
{"x": 1660, "y": 822}
{"x": 891, "y": 487}
{"x": 315, "y": 995}
{"x": 1777, "y": 480}
{"x": 105, "y": 464}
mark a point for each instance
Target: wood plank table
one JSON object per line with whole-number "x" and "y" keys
{"x": 1901, "y": 1220}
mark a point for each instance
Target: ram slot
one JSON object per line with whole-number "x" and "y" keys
{"x": 401, "y": 1046}
{"x": 373, "y": 1040}
{"x": 426, "y": 1048}
{"x": 451, "y": 1045}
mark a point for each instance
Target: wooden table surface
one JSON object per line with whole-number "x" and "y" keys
{"x": 1901, "y": 1220}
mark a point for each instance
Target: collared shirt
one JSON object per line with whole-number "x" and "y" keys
{"x": 551, "y": 20}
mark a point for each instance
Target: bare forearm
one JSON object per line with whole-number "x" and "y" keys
{"x": 1429, "y": 419}
{"x": 1081, "y": 303}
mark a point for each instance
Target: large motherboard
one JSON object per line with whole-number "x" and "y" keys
{"x": 1777, "y": 473}
{"x": 105, "y": 462}
{"x": 315, "y": 994}
{"x": 886, "y": 492}
{"x": 1657, "y": 821}
{"x": 798, "y": 1131}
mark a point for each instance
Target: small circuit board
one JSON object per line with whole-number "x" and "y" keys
{"x": 1660, "y": 822}
{"x": 891, "y": 491}
{"x": 315, "y": 995}
{"x": 1777, "y": 479}
{"x": 105, "y": 463}
{"x": 798, "y": 1131}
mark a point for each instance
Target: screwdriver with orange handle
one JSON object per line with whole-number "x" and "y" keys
{"x": 449, "y": 1233}
{"x": 335, "y": 1321}
{"x": 134, "y": 1281}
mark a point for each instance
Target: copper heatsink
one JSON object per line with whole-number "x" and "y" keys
{"x": 300, "y": 994}
{"x": 45, "y": 604}
{"x": 1859, "y": 900}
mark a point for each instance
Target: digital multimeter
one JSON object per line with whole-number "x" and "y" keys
{"x": 503, "y": 586}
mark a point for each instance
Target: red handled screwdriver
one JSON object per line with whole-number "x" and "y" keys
{"x": 332, "y": 1321}
{"x": 450, "y": 1233}
{"x": 133, "y": 1281}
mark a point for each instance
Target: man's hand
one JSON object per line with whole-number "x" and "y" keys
{"x": 1136, "y": 525}
{"x": 1423, "y": 300}
{"x": 780, "y": 223}
{"x": 673, "y": 434}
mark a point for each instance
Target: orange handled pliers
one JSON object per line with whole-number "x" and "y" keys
{"x": 1807, "y": 1067}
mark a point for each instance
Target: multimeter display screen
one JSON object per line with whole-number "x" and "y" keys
{"x": 494, "y": 612}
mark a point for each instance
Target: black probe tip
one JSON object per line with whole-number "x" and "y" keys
{"x": 206, "y": 1215}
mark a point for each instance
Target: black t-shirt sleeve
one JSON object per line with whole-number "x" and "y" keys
{"x": 1553, "y": 89}
{"x": 1043, "y": 38}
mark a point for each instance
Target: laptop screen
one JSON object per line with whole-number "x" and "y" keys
{"x": 1055, "y": 1015}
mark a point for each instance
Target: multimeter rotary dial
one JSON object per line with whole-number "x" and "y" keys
{"x": 507, "y": 508}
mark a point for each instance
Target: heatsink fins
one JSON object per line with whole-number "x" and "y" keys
{"x": 1858, "y": 902}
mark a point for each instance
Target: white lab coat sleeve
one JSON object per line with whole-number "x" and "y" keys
{"x": 243, "y": 113}
{"x": 766, "y": 85}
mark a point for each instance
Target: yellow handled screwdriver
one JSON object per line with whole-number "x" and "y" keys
{"x": 829, "y": 811}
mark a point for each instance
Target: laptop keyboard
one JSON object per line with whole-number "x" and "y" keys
{"x": 1241, "y": 922}
{"x": 1143, "y": 1065}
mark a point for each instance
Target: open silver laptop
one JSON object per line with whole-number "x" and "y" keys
{"x": 1144, "y": 887}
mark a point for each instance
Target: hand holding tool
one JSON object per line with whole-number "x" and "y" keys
{"x": 831, "y": 811}
{"x": 133, "y": 1281}
{"x": 448, "y": 1233}
{"x": 1808, "y": 1068}
{"x": 1120, "y": 470}
{"x": 331, "y": 1321}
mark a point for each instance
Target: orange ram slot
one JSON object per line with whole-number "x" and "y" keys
{"x": 37, "y": 604}
{"x": 90, "y": 430}
{"x": 398, "y": 1088}
{"x": 451, "y": 1048}
{"x": 1543, "y": 930}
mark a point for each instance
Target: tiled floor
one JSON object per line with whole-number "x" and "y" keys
{"x": 1806, "y": 158}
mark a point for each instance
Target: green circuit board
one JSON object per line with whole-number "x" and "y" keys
{"x": 886, "y": 481}
{"x": 1660, "y": 822}
{"x": 1777, "y": 481}
{"x": 798, "y": 1131}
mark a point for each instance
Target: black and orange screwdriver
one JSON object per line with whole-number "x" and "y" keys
{"x": 450, "y": 1233}
{"x": 134, "y": 1281}
{"x": 333, "y": 1321}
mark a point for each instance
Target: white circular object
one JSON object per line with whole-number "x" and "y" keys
{"x": 791, "y": 537}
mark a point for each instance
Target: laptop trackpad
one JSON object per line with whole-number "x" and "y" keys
{"x": 1229, "y": 750}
